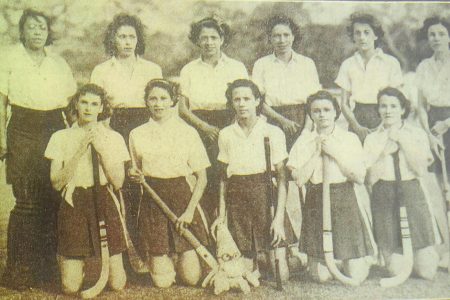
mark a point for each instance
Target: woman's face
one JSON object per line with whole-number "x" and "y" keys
{"x": 323, "y": 113}
{"x": 35, "y": 33}
{"x": 244, "y": 102}
{"x": 159, "y": 103}
{"x": 126, "y": 41}
{"x": 281, "y": 38}
{"x": 364, "y": 36}
{"x": 210, "y": 42}
{"x": 390, "y": 110}
{"x": 89, "y": 106}
{"x": 438, "y": 37}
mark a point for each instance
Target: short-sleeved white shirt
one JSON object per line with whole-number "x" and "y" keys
{"x": 125, "y": 91}
{"x": 168, "y": 150}
{"x": 43, "y": 87}
{"x": 305, "y": 147}
{"x": 286, "y": 84}
{"x": 64, "y": 143}
{"x": 376, "y": 141}
{"x": 434, "y": 81}
{"x": 205, "y": 85}
{"x": 364, "y": 82}
{"x": 245, "y": 155}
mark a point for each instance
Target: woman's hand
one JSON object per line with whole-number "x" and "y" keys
{"x": 277, "y": 230}
{"x": 439, "y": 128}
{"x": 212, "y": 132}
{"x": 185, "y": 220}
{"x": 135, "y": 175}
{"x": 362, "y": 132}
{"x": 436, "y": 144}
{"x": 289, "y": 127}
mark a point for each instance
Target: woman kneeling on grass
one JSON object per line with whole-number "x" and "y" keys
{"x": 167, "y": 151}
{"x": 72, "y": 173}
{"x": 351, "y": 234}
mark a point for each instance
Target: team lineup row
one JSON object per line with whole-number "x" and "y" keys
{"x": 215, "y": 91}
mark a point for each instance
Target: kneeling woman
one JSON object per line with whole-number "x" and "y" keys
{"x": 399, "y": 151}
{"x": 167, "y": 151}
{"x": 72, "y": 173}
{"x": 351, "y": 234}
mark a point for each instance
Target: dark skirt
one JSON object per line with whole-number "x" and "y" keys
{"x": 248, "y": 211}
{"x": 156, "y": 234}
{"x": 78, "y": 231}
{"x": 296, "y": 113}
{"x": 123, "y": 120}
{"x": 350, "y": 236}
{"x": 32, "y": 224}
{"x": 386, "y": 220}
{"x": 440, "y": 114}
{"x": 367, "y": 115}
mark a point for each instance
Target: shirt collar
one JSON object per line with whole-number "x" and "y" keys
{"x": 223, "y": 60}
{"x": 379, "y": 54}
{"x": 295, "y": 57}
{"x": 115, "y": 61}
{"x": 260, "y": 122}
{"x": 168, "y": 123}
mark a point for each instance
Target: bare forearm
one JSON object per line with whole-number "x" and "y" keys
{"x": 346, "y": 109}
{"x": 114, "y": 170}
{"x": 61, "y": 175}
{"x": 199, "y": 189}
{"x": 271, "y": 114}
{"x": 282, "y": 190}
{"x": 3, "y": 112}
{"x": 187, "y": 115}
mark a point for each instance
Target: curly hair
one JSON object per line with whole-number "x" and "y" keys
{"x": 172, "y": 89}
{"x": 434, "y": 20}
{"x": 323, "y": 95}
{"x": 34, "y": 14}
{"x": 119, "y": 21}
{"x": 90, "y": 88}
{"x": 222, "y": 29}
{"x": 393, "y": 92}
{"x": 283, "y": 20}
{"x": 244, "y": 83}
{"x": 371, "y": 20}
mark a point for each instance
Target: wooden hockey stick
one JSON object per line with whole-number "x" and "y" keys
{"x": 445, "y": 189}
{"x": 98, "y": 287}
{"x": 405, "y": 233}
{"x": 271, "y": 198}
{"x": 327, "y": 234}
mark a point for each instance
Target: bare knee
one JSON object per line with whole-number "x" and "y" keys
{"x": 189, "y": 268}
{"x": 117, "y": 276}
{"x": 357, "y": 268}
{"x": 426, "y": 262}
{"x": 71, "y": 274}
{"x": 162, "y": 271}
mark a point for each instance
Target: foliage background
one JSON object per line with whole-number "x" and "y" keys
{"x": 80, "y": 25}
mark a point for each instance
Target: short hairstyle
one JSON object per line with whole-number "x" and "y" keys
{"x": 323, "y": 95}
{"x": 34, "y": 14}
{"x": 393, "y": 92}
{"x": 434, "y": 20}
{"x": 222, "y": 29}
{"x": 244, "y": 83}
{"x": 119, "y": 21}
{"x": 283, "y": 20}
{"x": 90, "y": 88}
{"x": 172, "y": 89}
{"x": 365, "y": 18}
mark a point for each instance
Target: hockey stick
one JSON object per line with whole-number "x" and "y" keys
{"x": 98, "y": 287}
{"x": 271, "y": 198}
{"x": 445, "y": 189}
{"x": 405, "y": 234}
{"x": 328, "y": 229}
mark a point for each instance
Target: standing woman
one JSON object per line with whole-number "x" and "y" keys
{"x": 36, "y": 83}
{"x": 351, "y": 232}
{"x": 175, "y": 153}
{"x": 204, "y": 82}
{"x": 410, "y": 144}
{"x": 126, "y": 73}
{"x": 365, "y": 73}
{"x": 285, "y": 78}
{"x": 72, "y": 173}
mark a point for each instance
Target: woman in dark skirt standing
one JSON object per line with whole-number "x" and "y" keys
{"x": 351, "y": 233}
{"x": 414, "y": 155}
{"x": 36, "y": 83}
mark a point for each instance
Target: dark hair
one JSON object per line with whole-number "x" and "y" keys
{"x": 31, "y": 13}
{"x": 171, "y": 88}
{"x": 222, "y": 29}
{"x": 244, "y": 83}
{"x": 92, "y": 89}
{"x": 365, "y": 18}
{"x": 434, "y": 20}
{"x": 119, "y": 21}
{"x": 393, "y": 92}
{"x": 283, "y": 20}
{"x": 323, "y": 95}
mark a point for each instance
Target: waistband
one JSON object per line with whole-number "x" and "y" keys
{"x": 260, "y": 177}
{"x": 36, "y": 121}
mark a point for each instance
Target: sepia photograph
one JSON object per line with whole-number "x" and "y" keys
{"x": 206, "y": 149}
